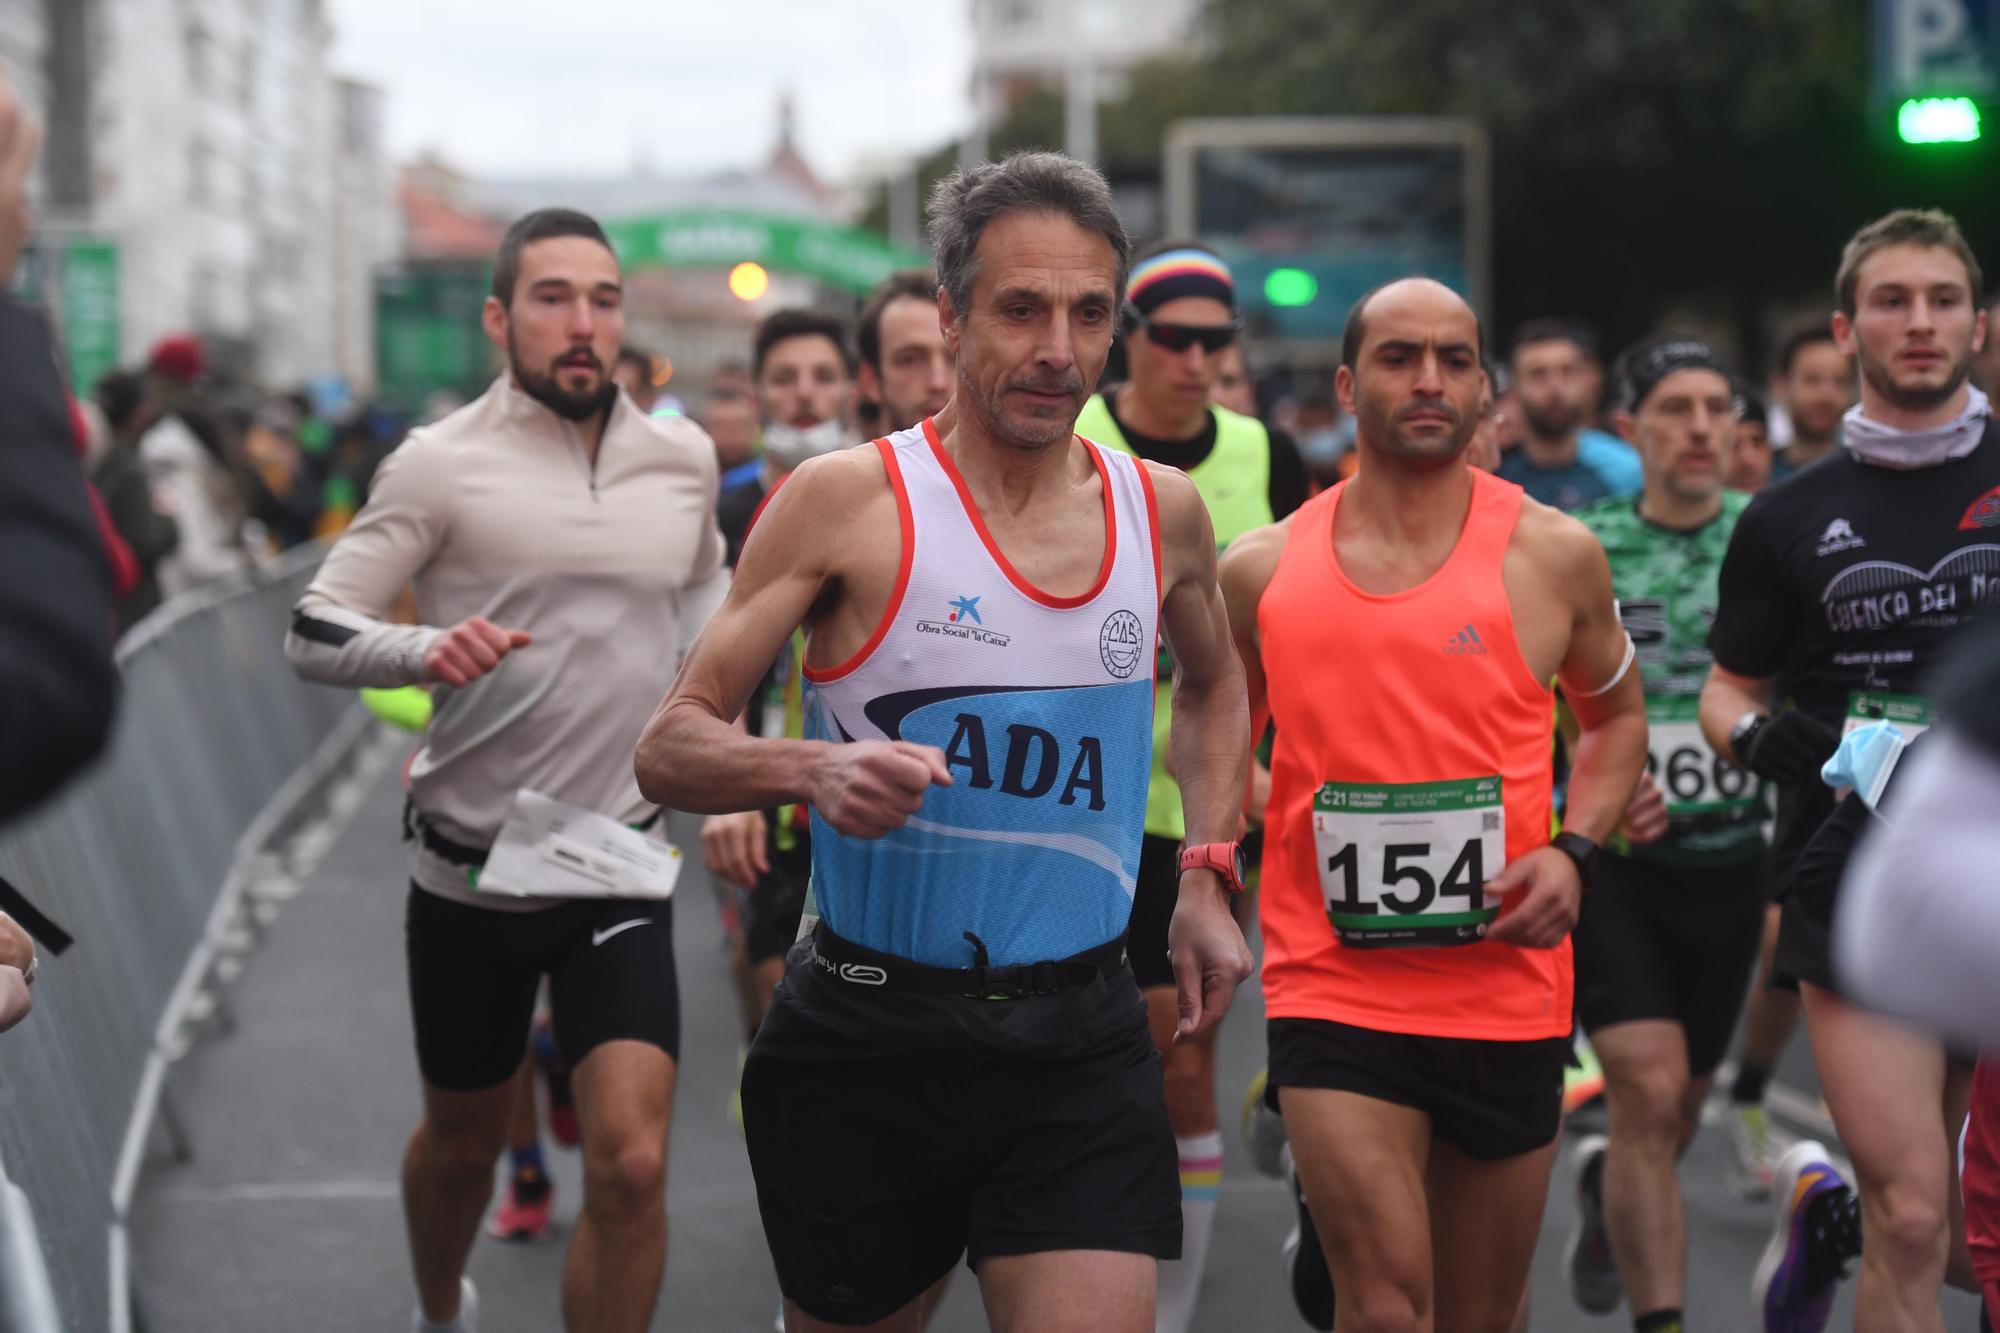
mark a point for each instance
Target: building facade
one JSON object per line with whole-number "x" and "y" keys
{"x": 1018, "y": 45}
{"x": 245, "y": 188}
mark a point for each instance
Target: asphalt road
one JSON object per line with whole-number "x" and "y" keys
{"x": 287, "y": 1216}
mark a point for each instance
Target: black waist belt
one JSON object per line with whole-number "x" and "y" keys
{"x": 458, "y": 853}
{"x": 843, "y": 960}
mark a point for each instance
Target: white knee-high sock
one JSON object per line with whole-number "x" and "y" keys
{"x": 1201, "y": 1186}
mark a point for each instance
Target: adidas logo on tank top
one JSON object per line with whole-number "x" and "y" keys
{"x": 1044, "y": 715}
{"x": 1465, "y": 643}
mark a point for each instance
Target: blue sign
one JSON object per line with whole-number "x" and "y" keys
{"x": 1926, "y": 48}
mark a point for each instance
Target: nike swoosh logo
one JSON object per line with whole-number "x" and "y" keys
{"x": 599, "y": 936}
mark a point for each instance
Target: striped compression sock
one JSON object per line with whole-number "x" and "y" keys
{"x": 1201, "y": 1186}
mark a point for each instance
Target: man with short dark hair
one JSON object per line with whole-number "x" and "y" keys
{"x": 1749, "y": 467}
{"x": 905, "y": 371}
{"x": 731, "y": 422}
{"x": 1668, "y": 934}
{"x": 1416, "y": 911}
{"x": 634, "y": 374}
{"x": 1840, "y": 591}
{"x": 1815, "y": 385}
{"x": 1179, "y": 316}
{"x": 563, "y": 553}
{"x": 803, "y": 375}
{"x": 957, "y": 1061}
{"x": 1563, "y": 460}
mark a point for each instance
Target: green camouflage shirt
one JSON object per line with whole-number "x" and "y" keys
{"x": 1665, "y": 581}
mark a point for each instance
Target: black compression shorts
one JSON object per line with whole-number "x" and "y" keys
{"x": 474, "y": 972}
{"x": 1670, "y": 943}
{"x": 890, "y": 1133}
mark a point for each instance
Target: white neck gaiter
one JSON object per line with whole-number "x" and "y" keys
{"x": 1905, "y": 450}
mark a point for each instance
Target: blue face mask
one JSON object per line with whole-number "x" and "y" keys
{"x": 1865, "y": 759}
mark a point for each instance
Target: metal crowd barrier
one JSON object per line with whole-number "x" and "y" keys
{"x": 218, "y": 749}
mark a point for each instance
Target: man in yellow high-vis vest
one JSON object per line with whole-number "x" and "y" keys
{"x": 1180, "y": 315}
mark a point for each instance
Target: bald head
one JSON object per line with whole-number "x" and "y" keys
{"x": 1405, "y": 295}
{"x": 1410, "y": 373}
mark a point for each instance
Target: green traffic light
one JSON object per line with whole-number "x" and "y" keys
{"x": 1290, "y": 287}
{"x": 1938, "y": 120}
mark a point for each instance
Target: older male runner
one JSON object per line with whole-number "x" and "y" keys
{"x": 563, "y": 550}
{"x": 1669, "y": 934}
{"x": 958, "y": 1061}
{"x": 1401, "y": 630}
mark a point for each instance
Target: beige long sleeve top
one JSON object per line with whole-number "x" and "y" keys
{"x": 496, "y": 511}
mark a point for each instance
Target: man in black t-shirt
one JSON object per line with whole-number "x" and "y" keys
{"x": 1842, "y": 584}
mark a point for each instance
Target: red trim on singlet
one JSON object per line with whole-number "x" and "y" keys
{"x": 895, "y": 604}
{"x": 762, "y": 505}
{"x": 1026, "y": 588}
{"x": 1153, "y": 521}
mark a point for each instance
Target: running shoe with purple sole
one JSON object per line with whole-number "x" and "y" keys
{"x": 1803, "y": 1264}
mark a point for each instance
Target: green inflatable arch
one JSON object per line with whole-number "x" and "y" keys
{"x": 706, "y": 238}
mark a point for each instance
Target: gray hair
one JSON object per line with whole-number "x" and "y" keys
{"x": 964, "y": 202}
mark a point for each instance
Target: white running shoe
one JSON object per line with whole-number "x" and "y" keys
{"x": 1749, "y": 1164}
{"x": 1793, "y": 1288}
{"x": 468, "y": 1313}
{"x": 1263, "y": 1130}
{"x": 1588, "y": 1266}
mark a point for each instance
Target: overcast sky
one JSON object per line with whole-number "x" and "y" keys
{"x": 588, "y": 87}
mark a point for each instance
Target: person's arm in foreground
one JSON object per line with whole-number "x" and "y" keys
{"x": 694, "y": 757}
{"x": 57, "y": 680}
{"x": 17, "y": 957}
{"x": 1918, "y": 925}
{"x": 1601, "y": 684}
{"x": 1210, "y": 748}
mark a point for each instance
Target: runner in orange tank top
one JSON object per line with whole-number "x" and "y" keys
{"x": 1401, "y": 631}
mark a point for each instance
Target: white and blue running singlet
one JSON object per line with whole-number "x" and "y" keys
{"x": 1043, "y": 707}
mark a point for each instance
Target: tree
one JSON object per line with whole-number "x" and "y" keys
{"x": 1648, "y": 155}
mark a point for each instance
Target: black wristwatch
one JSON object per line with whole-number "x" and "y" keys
{"x": 1744, "y": 733}
{"x": 1580, "y": 850}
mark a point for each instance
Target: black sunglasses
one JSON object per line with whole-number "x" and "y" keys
{"x": 1179, "y": 337}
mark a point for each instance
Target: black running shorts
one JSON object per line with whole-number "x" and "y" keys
{"x": 1154, "y": 898}
{"x": 891, "y": 1133}
{"x": 773, "y": 906}
{"x": 1805, "y": 931}
{"x": 474, "y": 972}
{"x": 1489, "y": 1099}
{"x": 1671, "y": 943}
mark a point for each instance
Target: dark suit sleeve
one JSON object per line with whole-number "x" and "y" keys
{"x": 57, "y": 680}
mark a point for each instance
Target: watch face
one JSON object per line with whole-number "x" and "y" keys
{"x": 1241, "y": 864}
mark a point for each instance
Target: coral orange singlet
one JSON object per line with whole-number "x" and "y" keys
{"x": 1412, "y": 763}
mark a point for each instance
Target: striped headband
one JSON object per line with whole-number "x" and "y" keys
{"x": 1172, "y": 274}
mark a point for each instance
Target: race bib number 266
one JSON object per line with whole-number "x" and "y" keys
{"x": 1404, "y": 865}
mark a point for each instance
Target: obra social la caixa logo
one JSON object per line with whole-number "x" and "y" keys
{"x": 1121, "y": 643}
{"x": 963, "y": 621}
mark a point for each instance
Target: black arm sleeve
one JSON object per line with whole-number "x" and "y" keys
{"x": 56, "y": 676}
{"x": 1756, "y": 613}
{"x": 1290, "y": 482}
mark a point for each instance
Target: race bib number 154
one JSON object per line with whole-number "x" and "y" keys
{"x": 1404, "y": 865}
